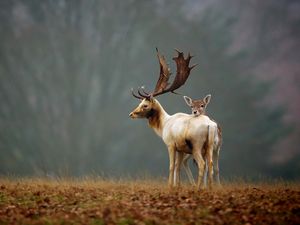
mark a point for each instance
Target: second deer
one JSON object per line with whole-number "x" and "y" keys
{"x": 198, "y": 107}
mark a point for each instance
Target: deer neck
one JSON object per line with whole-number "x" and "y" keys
{"x": 157, "y": 118}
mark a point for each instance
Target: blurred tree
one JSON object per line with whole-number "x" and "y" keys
{"x": 66, "y": 68}
{"x": 250, "y": 128}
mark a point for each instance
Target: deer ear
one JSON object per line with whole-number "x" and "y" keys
{"x": 188, "y": 100}
{"x": 207, "y": 99}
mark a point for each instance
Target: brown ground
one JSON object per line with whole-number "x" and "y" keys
{"x": 145, "y": 202}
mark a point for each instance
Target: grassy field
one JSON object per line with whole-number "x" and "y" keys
{"x": 95, "y": 201}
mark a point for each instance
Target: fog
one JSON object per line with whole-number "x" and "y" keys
{"x": 67, "y": 67}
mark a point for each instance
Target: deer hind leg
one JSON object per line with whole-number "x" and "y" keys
{"x": 201, "y": 166}
{"x": 205, "y": 168}
{"x": 209, "y": 154}
{"x": 178, "y": 161}
{"x": 187, "y": 169}
{"x": 216, "y": 165}
{"x": 205, "y": 172}
{"x": 210, "y": 167}
{"x": 171, "y": 150}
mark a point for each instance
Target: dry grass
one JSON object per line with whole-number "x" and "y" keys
{"x": 100, "y": 201}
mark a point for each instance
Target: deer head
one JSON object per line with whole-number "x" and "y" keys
{"x": 145, "y": 109}
{"x": 198, "y": 106}
{"x": 148, "y": 104}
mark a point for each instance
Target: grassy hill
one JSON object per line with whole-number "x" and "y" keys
{"x": 98, "y": 201}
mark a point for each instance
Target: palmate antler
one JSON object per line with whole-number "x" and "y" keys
{"x": 162, "y": 85}
{"x": 164, "y": 74}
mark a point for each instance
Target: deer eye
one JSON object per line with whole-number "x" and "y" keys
{"x": 145, "y": 106}
{"x": 201, "y": 106}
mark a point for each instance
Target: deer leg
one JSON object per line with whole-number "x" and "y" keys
{"x": 179, "y": 158}
{"x": 171, "y": 151}
{"x": 210, "y": 167}
{"x": 187, "y": 169}
{"x": 216, "y": 166}
{"x": 204, "y": 155}
{"x": 201, "y": 166}
{"x": 205, "y": 172}
{"x": 209, "y": 154}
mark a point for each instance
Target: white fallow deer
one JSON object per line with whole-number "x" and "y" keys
{"x": 198, "y": 107}
{"x": 182, "y": 133}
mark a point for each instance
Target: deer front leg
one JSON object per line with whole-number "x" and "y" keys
{"x": 187, "y": 169}
{"x": 201, "y": 166}
{"x": 172, "y": 152}
{"x": 178, "y": 162}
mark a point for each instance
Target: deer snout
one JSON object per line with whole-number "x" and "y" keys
{"x": 195, "y": 112}
{"x": 133, "y": 115}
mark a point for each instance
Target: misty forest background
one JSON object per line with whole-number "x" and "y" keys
{"x": 66, "y": 69}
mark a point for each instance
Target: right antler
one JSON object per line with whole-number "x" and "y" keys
{"x": 162, "y": 85}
